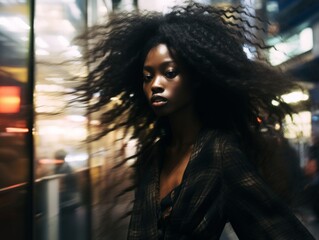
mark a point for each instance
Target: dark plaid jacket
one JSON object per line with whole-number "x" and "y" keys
{"x": 219, "y": 185}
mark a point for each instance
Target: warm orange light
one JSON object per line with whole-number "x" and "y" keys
{"x": 51, "y": 161}
{"x": 16, "y": 130}
{"x": 9, "y": 99}
{"x": 259, "y": 120}
{"x": 13, "y": 187}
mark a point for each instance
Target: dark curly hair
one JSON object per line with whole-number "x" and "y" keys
{"x": 232, "y": 92}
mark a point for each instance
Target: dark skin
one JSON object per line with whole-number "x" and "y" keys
{"x": 169, "y": 92}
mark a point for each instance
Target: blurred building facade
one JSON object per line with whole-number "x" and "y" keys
{"x": 293, "y": 31}
{"x": 36, "y": 122}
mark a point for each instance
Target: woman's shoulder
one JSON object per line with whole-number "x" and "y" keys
{"x": 221, "y": 140}
{"x": 214, "y": 145}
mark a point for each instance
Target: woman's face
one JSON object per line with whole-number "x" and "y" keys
{"x": 165, "y": 84}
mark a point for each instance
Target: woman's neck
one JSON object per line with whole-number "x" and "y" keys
{"x": 184, "y": 128}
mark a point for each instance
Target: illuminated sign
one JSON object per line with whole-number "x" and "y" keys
{"x": 10, "y": 99}
{"x": 292, "y": 47}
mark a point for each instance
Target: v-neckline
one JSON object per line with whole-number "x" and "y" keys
{"x": 149, "y": 194}
{"x": 197, "y": 146}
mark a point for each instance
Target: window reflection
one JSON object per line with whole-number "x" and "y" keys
{"x": 14, "y": 31}
{"x": 14, "y": 159}
{"x": 56, "y": 25}
{"x": 62, "y": 157}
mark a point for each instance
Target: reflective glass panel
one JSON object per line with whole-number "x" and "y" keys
{"x": 14, "y": 147}
{"x": 62, "y": 173}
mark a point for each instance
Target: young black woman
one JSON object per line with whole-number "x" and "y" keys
{"x": 194, "y": 101}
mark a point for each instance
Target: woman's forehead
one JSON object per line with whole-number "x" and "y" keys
{"x": 159, "y": 53}
{"x": 161, "y": 48}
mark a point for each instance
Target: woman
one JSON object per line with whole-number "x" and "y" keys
{"x": 195, "y": 102}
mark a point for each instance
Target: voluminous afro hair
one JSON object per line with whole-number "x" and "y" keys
{"x": 232, "y": 91}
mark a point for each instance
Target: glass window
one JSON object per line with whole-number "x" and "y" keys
{"x": 62, "y": 169}
{"x": 14, "y": 150}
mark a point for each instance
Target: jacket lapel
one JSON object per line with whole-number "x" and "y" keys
{"x": 143, "y": 223}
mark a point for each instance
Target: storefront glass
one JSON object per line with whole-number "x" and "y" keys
{"x": 61, "y": 153}
{"x": 15, "y": 112}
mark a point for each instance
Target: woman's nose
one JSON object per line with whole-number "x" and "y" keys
{"x": 157, "y": 86}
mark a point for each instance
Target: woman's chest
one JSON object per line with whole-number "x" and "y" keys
{"x": 172, "y": 171}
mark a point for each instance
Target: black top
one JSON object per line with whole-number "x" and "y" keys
{"x": 218, "y": 185}
{"x": 165, "y": 209}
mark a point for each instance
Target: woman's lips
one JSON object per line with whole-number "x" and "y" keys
{"x": 158, "y": 101}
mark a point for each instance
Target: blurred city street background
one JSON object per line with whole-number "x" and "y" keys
{"x": 56, "y": 186}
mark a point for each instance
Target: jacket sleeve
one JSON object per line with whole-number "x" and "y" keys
{"x": 251, "y": 207}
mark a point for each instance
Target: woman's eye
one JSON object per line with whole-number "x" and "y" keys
{"x": 147, "y": 77}
{"x": 171, "y": 74}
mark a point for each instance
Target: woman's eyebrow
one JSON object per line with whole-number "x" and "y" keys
{"x": 162, "y": 64}
{"x": 148, "y": 68}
